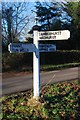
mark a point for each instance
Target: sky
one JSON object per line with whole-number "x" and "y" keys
{"x": 23, "y": 0}
{"x": 32, "y": 7}
{"x": 39, "y": 0}
{"x": 32, "y": 0}
{"x": 31, "y": 18}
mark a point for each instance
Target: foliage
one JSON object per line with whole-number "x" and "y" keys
{"x": 60, "y": 57}
{"x": 59, "y": 67}
{"x": 16, "y": 61}
{"x": 73, "y": 10}
{"x": 48, "y": 15}
{"x": 61, "y": 15}
{"x": 51, "y": 16}
{"x": 23, "y": 61}
{"x": 59, "y": 101}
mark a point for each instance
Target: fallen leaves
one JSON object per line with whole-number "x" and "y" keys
{"x": 58, "y": 101}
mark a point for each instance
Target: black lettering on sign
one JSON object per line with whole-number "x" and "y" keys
{"x": 50, "y": 33}
{"x": 21, "y": 50}
{"x": 45, "y": 33}
{"x": 48, "y": 37}
{"x": 16, "y": 45}
{"x": 54, "y": 37}
{"x": 27, "y": 50}
{"x": 57, "y": 33}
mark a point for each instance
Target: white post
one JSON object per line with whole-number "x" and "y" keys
{"x": 36, "y": 67}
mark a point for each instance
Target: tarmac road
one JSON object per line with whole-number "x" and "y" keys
{"x": 24, "y": 82}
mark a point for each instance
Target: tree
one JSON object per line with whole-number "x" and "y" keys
{"x": 52, "y": 16}
{"x": 15, "y": 18}
{"x": 73, "y": 10}
{"x": 55, "y": 16}
{"x": 47, "y": 14}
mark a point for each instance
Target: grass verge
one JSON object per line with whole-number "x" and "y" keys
{"x": 60, "y": 66}
{"x": 59, "y": 101}
{"x": 45, "y": 67}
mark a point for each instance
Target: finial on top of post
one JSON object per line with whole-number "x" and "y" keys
{"x": 36, "y": 27}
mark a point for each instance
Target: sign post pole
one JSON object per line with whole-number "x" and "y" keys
{"x": 36, "y": 67}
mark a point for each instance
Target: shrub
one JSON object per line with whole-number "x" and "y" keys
{"x": 17, "y": 61}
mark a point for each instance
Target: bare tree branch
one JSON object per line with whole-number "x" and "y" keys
{"x": 15, "y": 20}
{"x": 22, "y": 29}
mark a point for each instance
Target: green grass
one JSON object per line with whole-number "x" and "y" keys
{"x": 60, "y": 66}
{"x": 59, "y": 101}
{"x": 45, "y": 67}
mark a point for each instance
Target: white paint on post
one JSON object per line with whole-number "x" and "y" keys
{"x": 36, "y": 67}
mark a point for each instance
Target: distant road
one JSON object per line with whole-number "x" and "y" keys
{"x": 23, "y": 82}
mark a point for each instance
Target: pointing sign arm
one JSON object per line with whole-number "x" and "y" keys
{"x": 54, "y": 35}
{"x": 20, "y": 47}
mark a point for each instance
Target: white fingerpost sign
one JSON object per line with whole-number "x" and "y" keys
{"x": 54, "y": 35}
{"x": 36, "y": 49}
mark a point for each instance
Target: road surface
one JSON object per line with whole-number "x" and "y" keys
{"x": 25, "y": 81}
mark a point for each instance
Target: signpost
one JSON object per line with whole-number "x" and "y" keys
{"x": 36, "y": 49}
{"x": 54, "y": 35}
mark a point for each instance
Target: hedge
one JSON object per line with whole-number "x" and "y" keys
{"x": 16, "y": 61}
{"x": 60, "y": 57}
